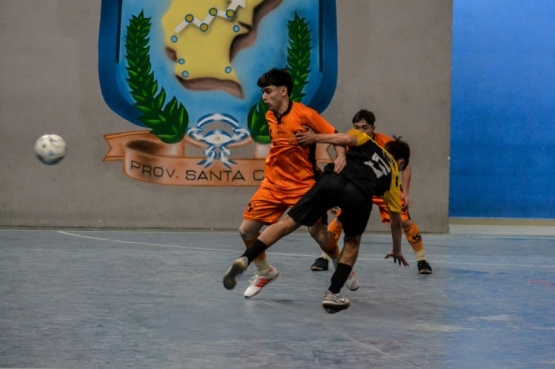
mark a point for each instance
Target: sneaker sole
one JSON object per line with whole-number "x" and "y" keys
{"x": 260, "y": 290}
{"x": 317, "y": 269}
{"x": 332, "y": 309}
{"x": 425, "y": 272}
{"x": 352, "y": 289}
{"x": 230, "y": 277}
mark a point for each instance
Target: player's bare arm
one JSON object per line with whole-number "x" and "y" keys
{"x": 407, "y": 174}
{"x": 396, "y": 234}
{"x": 340, "y": 161}
{"x": 310, "y": 137}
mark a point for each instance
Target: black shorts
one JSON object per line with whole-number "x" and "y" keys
{"x": 334, "y": 190}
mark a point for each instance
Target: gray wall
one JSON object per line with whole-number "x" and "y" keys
{"x": 394, "y": 58}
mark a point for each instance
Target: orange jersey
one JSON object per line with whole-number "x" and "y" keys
{"x": 381, "y": 139}
{"x": 290, "y": 167}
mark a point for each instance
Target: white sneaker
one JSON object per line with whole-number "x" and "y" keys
{"x": 238, "y": 267}
{"x": 352, "y": 281}
{"x": 259, "y": 281}
{"x": 334, "y": 302}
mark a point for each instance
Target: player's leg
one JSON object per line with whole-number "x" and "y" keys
{"x": 412, "y": 234}
{"x": 322, "y": 198}
{"x": 321, "y": 235}
{"x": 266, "y": 239}
{"x": 414, "y": 237}
{"x": 263, "y": 208}
{"x": 334, "y": 229}
{"x": 356, "y": 208}
{"x": 330, "y": 253}
{"x": 249, "y": 230}
{"x": 333, "y": 301}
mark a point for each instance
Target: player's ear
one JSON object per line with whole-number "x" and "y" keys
{"x": 401, "y": 164}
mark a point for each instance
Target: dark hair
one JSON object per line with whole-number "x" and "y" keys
{"x": 367, "y": 115}
{"x": 399, "y": 150}
{"x": 276, "y": 77}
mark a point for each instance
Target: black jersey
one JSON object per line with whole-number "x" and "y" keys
{"x": 373, "y": 170}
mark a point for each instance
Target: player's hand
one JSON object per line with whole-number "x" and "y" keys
{"x": 340, "y": 163}
{"x": 406, "y": 203}
{"x": 397, "y": 258}
{"x": 307, "y": 137}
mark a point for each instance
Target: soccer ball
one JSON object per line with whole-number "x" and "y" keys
{"x": 50, "y": 149}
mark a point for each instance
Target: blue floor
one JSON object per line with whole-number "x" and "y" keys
{"x": 148, "y": 299}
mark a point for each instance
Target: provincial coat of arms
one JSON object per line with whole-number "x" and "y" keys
{"x": 184, "y": 73}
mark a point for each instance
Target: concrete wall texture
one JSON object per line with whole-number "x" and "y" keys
{"x": 394, "y": 58}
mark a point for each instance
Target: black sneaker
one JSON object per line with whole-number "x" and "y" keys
{"x": 320, "y": 265}
{"x": 424, "y": 267}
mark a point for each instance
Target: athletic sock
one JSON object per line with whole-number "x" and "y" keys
{"x": 262, "y": 267}
{"x": 339, "y": 277}
{"x": 420, "y": 255}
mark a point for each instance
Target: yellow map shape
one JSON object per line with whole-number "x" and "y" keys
{"x": 199, "y": 35}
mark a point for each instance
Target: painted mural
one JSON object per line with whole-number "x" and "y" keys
{"x": 184, "y": 72}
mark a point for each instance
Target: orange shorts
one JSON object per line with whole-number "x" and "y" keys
{"x": 384, "y": 213}
{"x": 268, "y": 206}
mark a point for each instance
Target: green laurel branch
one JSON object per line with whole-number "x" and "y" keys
{"x": 168, "y": 121}
{"x": 298, "y": 55}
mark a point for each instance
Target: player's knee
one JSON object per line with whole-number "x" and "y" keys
{"x": 248, "y": 233}
{"x": 406, "y": 224}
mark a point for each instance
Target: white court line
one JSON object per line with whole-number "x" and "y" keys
{"x": 376, "y": 349}
{"x": 177, "y": 246}
{"x": 142, "y": 243}
{"x": 294, "y": 255}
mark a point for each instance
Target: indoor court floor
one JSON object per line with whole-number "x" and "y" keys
{"x": 154, "y": 299}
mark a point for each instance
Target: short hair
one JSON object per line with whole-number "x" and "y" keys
{"x": 276, "y": 77}
{"x": 399, "y": 149}
{"x": 367, "y": 115}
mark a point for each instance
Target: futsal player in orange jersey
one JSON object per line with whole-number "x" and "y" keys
{"x": 364, "y": 121}
{"x": 370, "y": 171}
{"x": 290, "y": 170}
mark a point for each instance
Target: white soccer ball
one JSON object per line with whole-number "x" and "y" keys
{"x": 50, "y": 149}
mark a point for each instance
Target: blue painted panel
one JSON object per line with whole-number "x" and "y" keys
{"x": 503, "y": 109}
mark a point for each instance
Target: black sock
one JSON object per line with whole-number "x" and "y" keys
{"x": 339, "y": 277}
{"x": 257, "y": 248}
